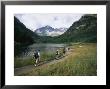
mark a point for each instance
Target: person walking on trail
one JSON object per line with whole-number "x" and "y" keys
{"x": 37, "y": 57}
{"x": 64, "y": 51}
{"x": 57, "y": 53}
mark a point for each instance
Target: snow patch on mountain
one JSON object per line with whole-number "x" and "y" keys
{"x": 49, "y": 31}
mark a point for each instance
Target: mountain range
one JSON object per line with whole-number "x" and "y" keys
{"x": 50, "y": 31}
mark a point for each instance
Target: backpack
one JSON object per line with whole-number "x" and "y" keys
{"x": 57, "y": 52}
{"x": 36, "y": 55}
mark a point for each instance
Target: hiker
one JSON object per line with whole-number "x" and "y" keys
{"x": 57, "y": 53}
{"x": 64, "y": 51}
{"x": 37, "y": 56}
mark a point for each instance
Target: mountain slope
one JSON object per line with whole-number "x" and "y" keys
{"x": 22, "y": 36}
{"x": 84, "y": 30}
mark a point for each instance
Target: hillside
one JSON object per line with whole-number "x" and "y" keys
{"x": 84, "y": 30}
{"x": 22, "y": 36}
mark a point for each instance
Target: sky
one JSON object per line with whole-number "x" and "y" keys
{"x": 34, "y": 21}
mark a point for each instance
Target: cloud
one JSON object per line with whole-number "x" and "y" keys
{"x": 55, "y": 20}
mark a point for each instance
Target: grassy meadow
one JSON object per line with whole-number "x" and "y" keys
{"x": 82, "y": 61}
{"x": 19, "y": 62}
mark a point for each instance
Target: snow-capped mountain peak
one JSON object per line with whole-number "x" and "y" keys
{"x": 49, "y": 31}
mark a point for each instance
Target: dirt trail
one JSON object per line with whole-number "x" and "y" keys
{"x": 27, "y": 69}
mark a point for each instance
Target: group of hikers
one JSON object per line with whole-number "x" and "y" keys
{"x": 36, "y": 54}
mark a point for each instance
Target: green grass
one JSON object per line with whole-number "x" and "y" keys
{"x": 47, "y": 56}
{"x": 82, "y": 62}
{"x": 20, "y": 62}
